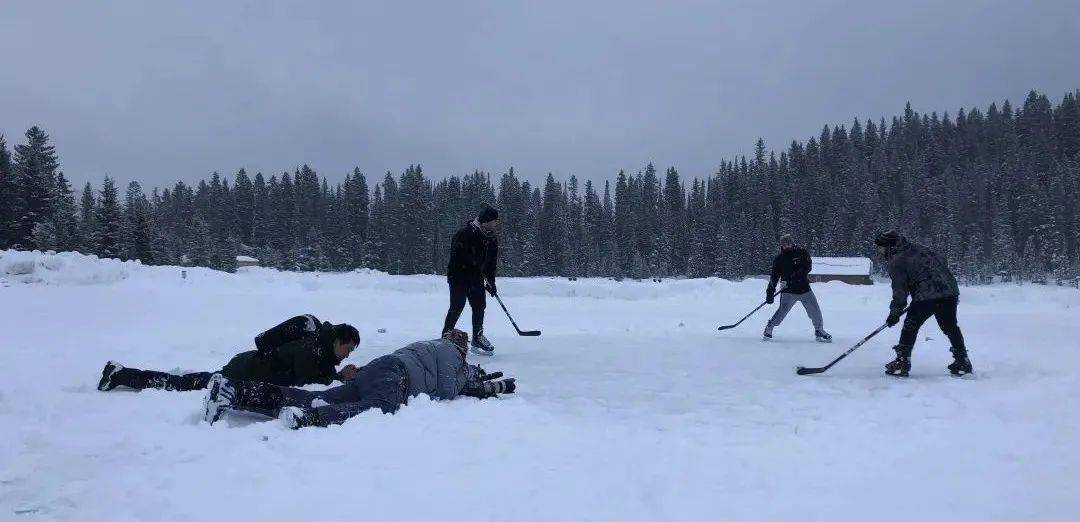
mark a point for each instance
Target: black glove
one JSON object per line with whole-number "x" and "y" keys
{"x": 769, "y": 296}
{"x": 491, "y": 288}
{"x": 894, "y": 317}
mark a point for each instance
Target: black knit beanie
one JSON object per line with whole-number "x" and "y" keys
{"x": 487, "y": 215}
{"x": 887, "y": 239}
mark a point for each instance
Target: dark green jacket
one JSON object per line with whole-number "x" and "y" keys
{"x": 289, "y": 355}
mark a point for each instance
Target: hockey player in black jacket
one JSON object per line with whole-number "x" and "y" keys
{"x": 792, "y": 265}
{"x": 474, "y": 252}
{"x": 299, "y": 351}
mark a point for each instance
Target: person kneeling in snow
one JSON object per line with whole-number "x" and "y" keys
{"x": 299, "y": 351}
{"x": 436, "y": 367}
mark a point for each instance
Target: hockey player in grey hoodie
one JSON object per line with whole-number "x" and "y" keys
{"x": 436, "y": 368}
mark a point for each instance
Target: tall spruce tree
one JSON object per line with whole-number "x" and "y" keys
{"x": 138, "y": 227}
{"x": 7, "y": 197}
{"x": 60, "y": 229}
{"x": 35, "y": 167}
{"x": 108, "y": 222}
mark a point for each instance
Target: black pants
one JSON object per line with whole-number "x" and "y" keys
{"x": 382, "y": 383}
{"x": 142, "y": 379}
{"x": 460, "y": 291}
{"x": 944, "y": 310}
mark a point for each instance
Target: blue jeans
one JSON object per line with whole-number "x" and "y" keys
{"x": 382, "y": 383}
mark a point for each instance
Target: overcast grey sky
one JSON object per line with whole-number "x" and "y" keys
{"x": 154, "y": 92}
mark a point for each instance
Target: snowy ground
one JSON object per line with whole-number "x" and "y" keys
{"x": 631, "y": 406}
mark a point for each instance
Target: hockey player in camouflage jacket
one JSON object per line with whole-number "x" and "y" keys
{"x": 921, "y": 274}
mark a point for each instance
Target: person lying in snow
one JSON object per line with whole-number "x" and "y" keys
{"x": 436, "y": 367}
{"x": 299, "y": 351}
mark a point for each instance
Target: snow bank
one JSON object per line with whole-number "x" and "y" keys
{"x": 75, "y": 269}
{"x": 64, "y": 268}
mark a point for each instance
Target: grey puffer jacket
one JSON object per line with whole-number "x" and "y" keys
{"x": 917, "y": 271}
{"x": 436, "y": 367}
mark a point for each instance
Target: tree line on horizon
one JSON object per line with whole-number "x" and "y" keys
{"x": 997, "y": 191}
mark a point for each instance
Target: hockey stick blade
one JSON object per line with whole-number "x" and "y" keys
{"x": 525, "y": 333}
{"x": 747, "y": 316}
{"x": 811, "y": 371}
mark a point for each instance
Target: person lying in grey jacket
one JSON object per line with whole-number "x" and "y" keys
{"x": 436, "y": 368}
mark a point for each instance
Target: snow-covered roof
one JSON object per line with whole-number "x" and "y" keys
{"x": 246, "y": 259}
{"x": 841, "y": 266}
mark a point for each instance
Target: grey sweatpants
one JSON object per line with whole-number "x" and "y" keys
{"x": 808, "y": 301}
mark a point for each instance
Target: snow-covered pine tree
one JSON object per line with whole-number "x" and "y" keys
{"x": 35, "y": 165}
{"x": 243, "y": 205}
{"x": 7, "y": 197}
{"x": 593, "y": 237}
{"x": 86, "y": 219}
{"x": 624, "y": 233}
{"x": 575, "y": 249}
{"x": 138, "y": 226}
{"x": 608, "y": 262}
{"x": 60, "y": 229}
{"x": 108, "y": 222}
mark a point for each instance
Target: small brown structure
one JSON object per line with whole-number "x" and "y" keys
{"x": 851, "y": 270}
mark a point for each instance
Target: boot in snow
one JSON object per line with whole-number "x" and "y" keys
{"x": 220, "y": 396}
{"x": 822, "y": 336}
{"x": 960, "y": 365}
{"x": 106, "y": 383}
{"x": 481, "y": 346}
{"x": 901, "y": 366}
{"x": 767, "y": 334}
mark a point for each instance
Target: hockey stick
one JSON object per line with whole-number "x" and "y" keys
{"x": 802, "y": 370}
{"x": 526, "y": 333}
{"x": 730, "y": 326}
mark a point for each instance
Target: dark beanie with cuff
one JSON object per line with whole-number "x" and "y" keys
{"x": 487, "y": 215}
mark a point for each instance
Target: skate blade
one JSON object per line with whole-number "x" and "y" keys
{"x": 824, "y": 341}
{"x": 481, "y": 351}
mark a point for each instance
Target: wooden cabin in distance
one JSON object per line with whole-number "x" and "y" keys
{"x": 851, "y": 270}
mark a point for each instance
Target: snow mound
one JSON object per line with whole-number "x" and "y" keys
{"x": 64, "y": 268}
{"x": 75, "y": 269}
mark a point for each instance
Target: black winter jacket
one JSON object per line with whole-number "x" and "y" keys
{"x": 296, "y": 352}
{"x": 793, "y": 267}
{"x": 473, "y": 256}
